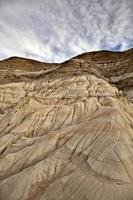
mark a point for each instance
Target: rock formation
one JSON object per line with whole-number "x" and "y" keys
{"x": 66, "y": 130}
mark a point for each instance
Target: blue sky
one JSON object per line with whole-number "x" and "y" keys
{"x": 55, "y": 30}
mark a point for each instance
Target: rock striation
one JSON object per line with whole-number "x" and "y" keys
{"x": 66, "y": 130}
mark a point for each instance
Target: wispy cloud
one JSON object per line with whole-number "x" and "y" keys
{"x": 55, "y": 30}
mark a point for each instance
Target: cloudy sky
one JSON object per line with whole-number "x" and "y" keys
{"x": 55, "y": 30}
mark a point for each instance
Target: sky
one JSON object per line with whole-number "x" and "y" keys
{"x": 56, "y": 30}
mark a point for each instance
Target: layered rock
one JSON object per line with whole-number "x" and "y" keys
{"x": 66, "y": 130}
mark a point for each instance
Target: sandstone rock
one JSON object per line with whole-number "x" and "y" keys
{"x": 66, "y": 130}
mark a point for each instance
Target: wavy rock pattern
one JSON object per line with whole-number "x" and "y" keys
{"x": 66, "y": 130}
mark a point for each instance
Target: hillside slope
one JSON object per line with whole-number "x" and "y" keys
{"x": 66, "y": 130}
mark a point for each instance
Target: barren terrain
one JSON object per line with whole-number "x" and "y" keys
{"x": 66, "y": 130}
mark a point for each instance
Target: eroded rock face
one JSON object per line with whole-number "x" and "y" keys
{"x": 66, "y": 130}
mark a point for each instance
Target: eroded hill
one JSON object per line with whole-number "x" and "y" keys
{"x": 66, "y": 130}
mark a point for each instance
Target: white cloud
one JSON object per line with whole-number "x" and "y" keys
{"x": 55, "y": 30}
